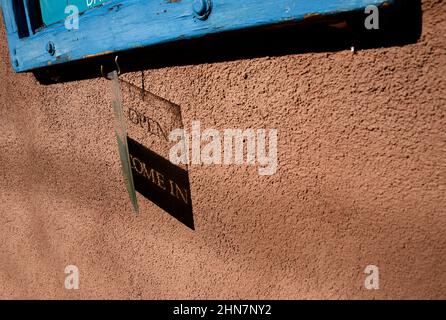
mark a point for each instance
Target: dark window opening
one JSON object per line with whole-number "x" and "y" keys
{"x": 20, "y": 18}
{"x": 27, "y": 11}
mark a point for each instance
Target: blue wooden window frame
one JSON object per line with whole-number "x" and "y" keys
{"x": 119, "y": 25}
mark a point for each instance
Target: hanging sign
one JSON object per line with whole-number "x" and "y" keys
{"x": 149, "y": 120}
{"x": 121, "y": 137}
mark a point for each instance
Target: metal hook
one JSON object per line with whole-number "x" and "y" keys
{"x": 118, "y": 69}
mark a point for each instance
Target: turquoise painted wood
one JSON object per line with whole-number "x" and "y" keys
{"x": 119, "y": 25}
{"x": 54, "y": 10}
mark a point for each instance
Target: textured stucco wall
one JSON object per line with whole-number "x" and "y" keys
{"x": 361, "y": 180}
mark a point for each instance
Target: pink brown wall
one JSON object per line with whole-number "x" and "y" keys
{"x": 361, "y": 180}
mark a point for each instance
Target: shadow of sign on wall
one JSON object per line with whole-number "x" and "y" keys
{"x": 149, "y": 120}
{"x": 162, "y": 182}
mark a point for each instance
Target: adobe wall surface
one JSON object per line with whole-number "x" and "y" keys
{"x": 361, "y": 180}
